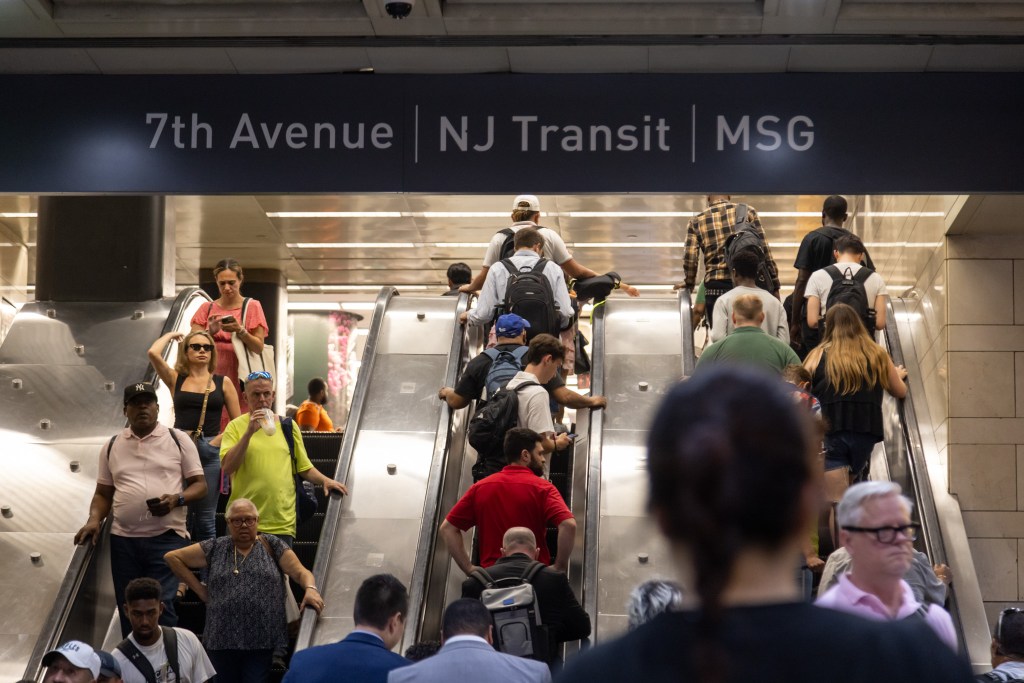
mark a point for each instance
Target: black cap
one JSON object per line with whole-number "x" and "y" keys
{"x": 133, "y": 390}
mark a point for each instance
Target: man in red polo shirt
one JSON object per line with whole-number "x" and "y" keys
{"x": 515, "y": 496}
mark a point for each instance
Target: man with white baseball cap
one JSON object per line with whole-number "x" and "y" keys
{"x": 72, "y": 662}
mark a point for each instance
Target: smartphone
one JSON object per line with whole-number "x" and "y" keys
{"x": 152, "y": 501}
{"x": 228, "y": 319}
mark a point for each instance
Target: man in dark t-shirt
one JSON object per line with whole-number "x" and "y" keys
{"x": 510, "y": 331}
{"x": 816, "y": 252}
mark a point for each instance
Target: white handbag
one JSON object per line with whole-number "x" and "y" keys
{"x": 249, "y": 362}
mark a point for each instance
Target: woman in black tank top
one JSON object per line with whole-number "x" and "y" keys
{"x": 189, "y": 380}
{"x": 850, "y": 370}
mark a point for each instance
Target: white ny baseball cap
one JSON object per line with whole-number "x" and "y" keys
{"x": 78, "y": 653}
{"x": 526, "y": 201}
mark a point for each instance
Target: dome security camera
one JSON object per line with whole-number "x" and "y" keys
{"x": 398, "y": 9}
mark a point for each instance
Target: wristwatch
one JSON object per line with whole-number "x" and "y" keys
{"x": 181, "y": 500}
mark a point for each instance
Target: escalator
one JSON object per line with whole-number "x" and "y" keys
{"x": 643, "y": 346}
{"x": 909, "y": 456}
{"x": 396, "y": 461}
{"x": 63, "y": 368}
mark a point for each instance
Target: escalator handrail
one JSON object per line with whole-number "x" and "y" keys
{"x": 82, "y": 557}
{"x": 593, "y": 483}
{"x": 686, "y": 332}
{"x": 332, "y": 518}
{"x": 435, "y": 479}
{"x": 912, "y": 436}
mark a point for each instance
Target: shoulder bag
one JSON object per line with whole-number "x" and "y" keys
{"x": 249, "y": 362}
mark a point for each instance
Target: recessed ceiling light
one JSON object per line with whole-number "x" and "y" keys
{"x": 335, "y": 214}
{"x": 29, "y": 214}
{"x": 351, "y": 245}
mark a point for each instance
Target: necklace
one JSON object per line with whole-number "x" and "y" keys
{"x": 238, "y": 565}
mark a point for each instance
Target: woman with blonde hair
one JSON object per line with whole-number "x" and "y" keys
{"x": 850, "y": 370}
{"x": 199, "y": 397}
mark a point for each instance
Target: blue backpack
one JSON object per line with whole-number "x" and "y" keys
{"x": 504, "y": 366}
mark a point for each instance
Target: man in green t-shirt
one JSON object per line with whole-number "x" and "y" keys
{"x": 748, "y": 344}
{"x": 254, "y": 453}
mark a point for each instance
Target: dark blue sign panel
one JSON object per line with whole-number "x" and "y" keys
{"x": 786, "y": 133}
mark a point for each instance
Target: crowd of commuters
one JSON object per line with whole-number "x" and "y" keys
{"x": 714, "y": 443}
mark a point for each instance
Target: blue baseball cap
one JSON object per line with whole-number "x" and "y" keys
{"x": 510, "y": 325}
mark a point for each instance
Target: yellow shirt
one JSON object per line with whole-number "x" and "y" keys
{"x": 311, "y": 416}
{"x": 265, "y": 476}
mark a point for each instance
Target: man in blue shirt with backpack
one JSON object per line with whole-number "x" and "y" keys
{"x": 495, "y": 366}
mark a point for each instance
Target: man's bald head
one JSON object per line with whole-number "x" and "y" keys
{"x": 519, "y": 539}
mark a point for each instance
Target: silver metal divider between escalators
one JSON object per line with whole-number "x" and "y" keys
{"x": 83, "y": 564}
{"x": 393, "y": 459}
{"x": 637, "y": 356}
{"x": 942, "y": 523}
{"x": 332, "y": 518}
{"x": 440, "y": 467}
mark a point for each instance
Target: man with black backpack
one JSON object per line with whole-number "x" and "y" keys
{"x": 155, "y": 654}
{"x": 528, "y": 285}
{"x": 848, "y": 282}
{"x": 709, "y": 232}
{"x": 518, "y": 495}
{"x": 526, "y": 214}
{"x": 561, "y": 616}
{"x": 817, "y": 250}
{"x": 494, "y": 367}
{"x": 522, "y": 402}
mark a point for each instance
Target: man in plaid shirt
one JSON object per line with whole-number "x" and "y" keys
{"x": 707, "y": 233}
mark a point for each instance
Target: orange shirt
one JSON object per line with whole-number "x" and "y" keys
{"x": 312, "y": 417}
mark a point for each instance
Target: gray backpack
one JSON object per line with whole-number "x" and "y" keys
{"x": 515, "y": 613}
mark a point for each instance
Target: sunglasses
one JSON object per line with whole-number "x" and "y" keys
{"x": 201, "y": 347}
{"x": 259, "y": 374}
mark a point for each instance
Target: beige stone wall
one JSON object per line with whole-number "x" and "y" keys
{"x": 985, "y": 338}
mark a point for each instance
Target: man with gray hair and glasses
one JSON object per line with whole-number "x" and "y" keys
{"x": 875, "y": 527}
{"x": 1007, "y": 648}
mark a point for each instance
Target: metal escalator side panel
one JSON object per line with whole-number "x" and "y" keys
{"x": 394, "y": 420}
{"x": 424, "y": 615}
{"x": 914, "y": 460}
{"x": 638, "y": 347}
{"x": 79, "y": 598}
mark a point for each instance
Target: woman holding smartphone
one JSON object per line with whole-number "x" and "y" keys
{"x": 199, "y": 398}
{"x": 223, "y": 318}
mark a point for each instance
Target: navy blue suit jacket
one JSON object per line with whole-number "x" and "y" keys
{"x": 358, "y": 658}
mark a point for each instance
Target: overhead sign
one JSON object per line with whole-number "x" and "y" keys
{"x": 786, "y": 133}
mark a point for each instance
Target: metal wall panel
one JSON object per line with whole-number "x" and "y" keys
{"x": 63, "y": 368}
{"x": 641, "y": 349}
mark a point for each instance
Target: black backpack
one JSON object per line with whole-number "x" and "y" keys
{"x": 139, "y": 661}
{"x": 487, "y": 429}
{"x": 528, "y": 294}
{"x": 745, "y": 237}
{"x": 515, "y": 614}
{"x": 848, "y": 289}
{"x": 508, "y": 247}
{"x": 504, "y": 366}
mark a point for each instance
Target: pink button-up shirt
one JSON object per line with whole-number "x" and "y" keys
{"x": 846, "y": 597}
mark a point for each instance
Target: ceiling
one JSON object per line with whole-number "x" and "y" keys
{"x": 520, "y": 36}
{"x": 361, "y": 250}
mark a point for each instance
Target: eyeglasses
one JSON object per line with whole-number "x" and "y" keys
{"x": 243, "y": 521}
{"x": 201, "y": 347}
{"x": 887, "y": 534}
{"x": 259, "y": 374}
